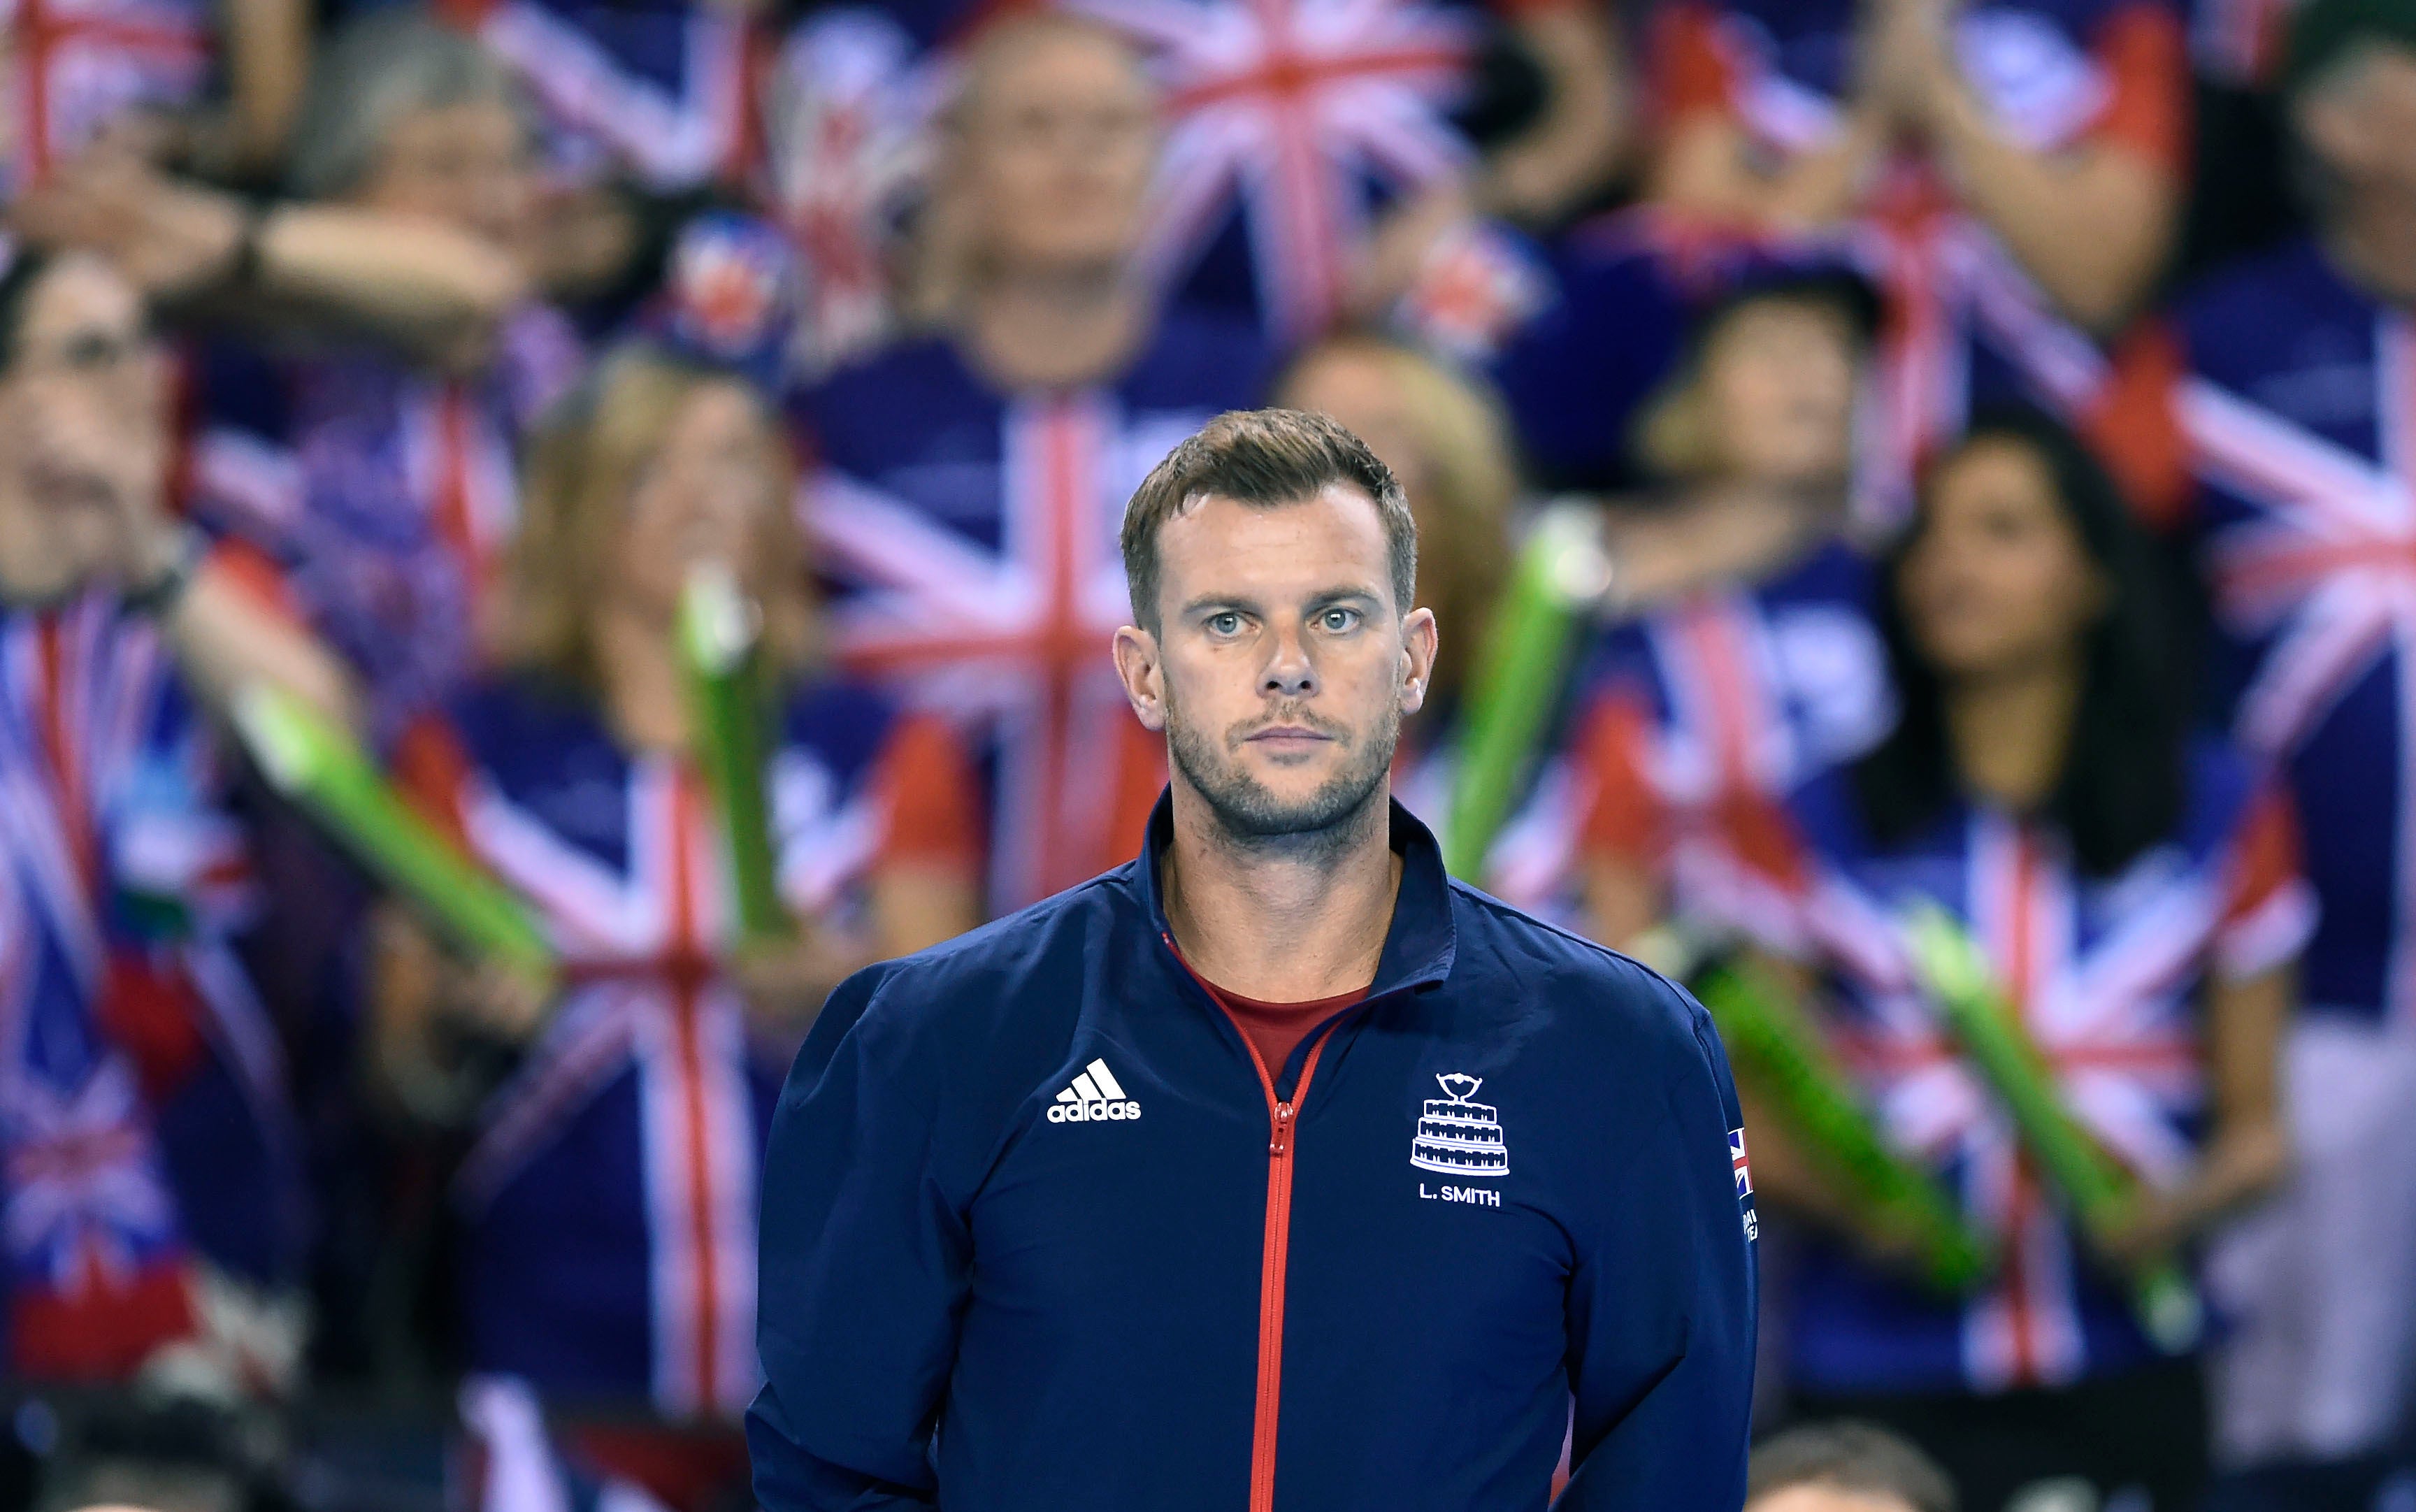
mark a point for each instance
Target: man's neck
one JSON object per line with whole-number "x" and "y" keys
{"x": 1052, "y": 328}
{"x": 1287, "y": 921}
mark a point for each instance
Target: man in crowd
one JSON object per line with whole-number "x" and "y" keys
{"x": 151, "y": 1182}
{"x": 971, "y": 479}
{"x": 1142, "y": 1197}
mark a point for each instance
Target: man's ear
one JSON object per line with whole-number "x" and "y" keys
{"x": 1143, "y": 676}
{"x": 1419, "y": 637}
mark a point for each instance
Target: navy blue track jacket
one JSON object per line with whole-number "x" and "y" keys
{"x": 1040, "y": 1235}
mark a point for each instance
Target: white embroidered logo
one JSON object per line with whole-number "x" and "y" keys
{"x": 1457, "y": 1137}
{"x": 1096, "y": 1098}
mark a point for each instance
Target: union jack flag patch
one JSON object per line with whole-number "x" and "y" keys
{"x": 1744, "y": 1182}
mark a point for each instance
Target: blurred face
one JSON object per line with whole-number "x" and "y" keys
{"x": 466, "y": 165}
{"x": 710, "y": 494}
{"x": 1282, "y": 667}
{"x": 1778, "y": 380}
{"x": 1356, "y": 388}
{"x": 1997, "y": 582}
{"x": 2359, "y": 124}
{"x": 83, "y": 429}
{"x": 1826, "y": 1498}
{"x": 1057, "y": 143}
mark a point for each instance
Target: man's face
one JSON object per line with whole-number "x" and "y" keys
{"x": 1058, "y": 141}
{"x": 1282, "y": 667}
{"x": 82, "y": 413}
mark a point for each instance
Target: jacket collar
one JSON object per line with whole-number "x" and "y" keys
{"x": 1421, "y": 941}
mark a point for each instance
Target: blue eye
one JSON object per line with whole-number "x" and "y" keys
{"x": 1227, "y": 623}
{"x": 1338, "y": 621}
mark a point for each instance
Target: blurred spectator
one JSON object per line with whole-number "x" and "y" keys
{"x": 1448, "y": 441}
{"x": 609, "y": 1199}
{"x": 1746, "y": 661}
{"x": 2296, "y": 411}
{"x": 1315, "y": 153}
{"x": 151, "y": 1174}
{"x": 382, "y": 473}
{"x": 1844, "y": 1467}
{"x": 2136, "y": 893}
{"x": 974, "y": 481}
{"x": 2007, "y": 173}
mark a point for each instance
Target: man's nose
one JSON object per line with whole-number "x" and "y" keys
{"x": 1289, "y": 673}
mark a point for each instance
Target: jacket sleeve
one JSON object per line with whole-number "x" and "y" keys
{"x": 1661, "y": 1313}
{"x": 863, "y": 1272}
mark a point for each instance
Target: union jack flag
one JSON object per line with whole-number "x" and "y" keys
{"x": 75, "y": 66}
{"x": 661, "y": 89}
{"x": 86, "y": 1188}
{"x": 2319, "y": 566}
{"x": 624, "y": 863}
{"x": 2101, "y": 976}
{"x": 849, "y": 106}
{"x": 1015, "y": 639}
{"x": 1300, "y": 108}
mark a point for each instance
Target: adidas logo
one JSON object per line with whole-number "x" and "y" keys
{"x": 1093, "y": 1096}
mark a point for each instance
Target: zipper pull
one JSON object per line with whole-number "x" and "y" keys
{"x": 1283, "y": 1139}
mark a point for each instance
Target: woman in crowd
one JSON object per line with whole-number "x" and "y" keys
{"x": 1744, "y": 658}
{"x": 149, "y": 1167}
{"x": 608, "y": 1197}
{"x": 1444, "y": 436}
{"x": 387, "y": 485}
{"x": 2012, "y": 173}
{"x": 2135, "y": 892}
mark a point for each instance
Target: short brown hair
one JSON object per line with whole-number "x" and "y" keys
{"x": 1266, "y": 458}
{"x": 1858, "y": 1457}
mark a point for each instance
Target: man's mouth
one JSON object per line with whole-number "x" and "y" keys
{"x": 1287, "y": 739}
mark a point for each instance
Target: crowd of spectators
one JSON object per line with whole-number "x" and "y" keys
{"x": 1999, "y": 420}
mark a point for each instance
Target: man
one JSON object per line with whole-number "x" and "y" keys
{"x": 2297, "y": 418}
{"x": 150, "y": 1182}
{"x": 1145, "y": 1198}
{"x": 971, "y": 479}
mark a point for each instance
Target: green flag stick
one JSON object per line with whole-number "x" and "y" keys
{"x": 720, "y": 635}
{"x": 2102, "y": 1194}
{"x": 1780, "y": 1053}
{"x": 320, "y": 767}
{"x": 1562, "y": 572}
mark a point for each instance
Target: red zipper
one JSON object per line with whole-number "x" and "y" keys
{"x": 1274, "y": 1258}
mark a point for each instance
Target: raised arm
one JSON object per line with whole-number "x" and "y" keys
{"x": 2092, "y": 222}
{"x": 435, "y": 289}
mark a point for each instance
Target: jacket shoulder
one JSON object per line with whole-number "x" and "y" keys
{"x": 1600, "y": 1003}
{"x": 959, "y": 997}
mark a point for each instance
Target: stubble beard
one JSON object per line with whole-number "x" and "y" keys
{"x": 1248, "y": 815}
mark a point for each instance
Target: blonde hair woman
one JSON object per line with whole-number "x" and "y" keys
{"x": 607, "y": 1197}
{"x": 1448, "y": 442}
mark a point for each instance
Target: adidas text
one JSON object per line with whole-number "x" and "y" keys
{"x": 1095, "y": 1098}
{"x": 1084, "y": 1112}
